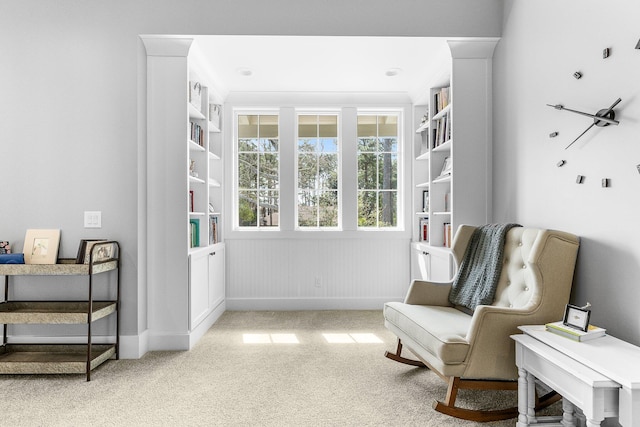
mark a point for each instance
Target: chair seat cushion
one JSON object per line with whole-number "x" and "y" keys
{"x": 440, "y": 330}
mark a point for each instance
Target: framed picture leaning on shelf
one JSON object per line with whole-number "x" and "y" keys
{"x": 425, "y": 201}
{"x": 104, "y": 251}
{"x": 41, "y": 246}
{"x": 446, "y": 167}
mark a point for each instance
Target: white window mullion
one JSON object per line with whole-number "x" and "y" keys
{"x": 288, "y": 169}
{"x": 348, "y": 182}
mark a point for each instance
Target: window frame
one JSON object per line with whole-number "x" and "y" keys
{"x": 337, "y": 112}
{"x": 400, "y": 187}
{"x": 236, "y": 167}
{"x": 287, "y": 111}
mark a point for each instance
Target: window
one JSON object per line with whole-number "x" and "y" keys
{"x": 258, "y": 169}
{"x": 377, "y": 170}
{"x": 317, "y": 170}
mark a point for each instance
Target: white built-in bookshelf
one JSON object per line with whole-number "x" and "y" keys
{"x": 185, "y": 246}
{"x": 452, "y": 128}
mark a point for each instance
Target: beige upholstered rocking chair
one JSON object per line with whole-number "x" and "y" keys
{"x": 472, "y": 349}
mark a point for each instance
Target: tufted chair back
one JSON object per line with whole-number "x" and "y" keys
{"x": 536, "y": 279}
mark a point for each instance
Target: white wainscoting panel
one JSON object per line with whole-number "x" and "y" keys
{"x": 299, "y": 274}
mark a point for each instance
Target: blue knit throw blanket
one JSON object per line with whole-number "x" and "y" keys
{"x": 479, "y": 272}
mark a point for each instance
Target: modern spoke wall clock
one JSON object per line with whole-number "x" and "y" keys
{"x": 601, "y": 119}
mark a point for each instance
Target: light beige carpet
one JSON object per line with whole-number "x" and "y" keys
{"x": 269, "y": 382}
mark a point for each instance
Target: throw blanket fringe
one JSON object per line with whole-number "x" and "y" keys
{"x": 479, "y": 272}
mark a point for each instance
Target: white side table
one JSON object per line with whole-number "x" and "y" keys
{"x": 605, "y": 370}
{"x": 579, "y": 385}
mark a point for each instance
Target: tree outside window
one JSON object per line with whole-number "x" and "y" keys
{"x": 317, "y": 180}
{"x": 377, "y": 170}
{"x": 258, "y": 167}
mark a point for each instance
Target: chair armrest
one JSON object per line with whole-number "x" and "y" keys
{"x": 428, "y": 293}
{"x": 492, "y": 351}
{"x": 486, "y": 318}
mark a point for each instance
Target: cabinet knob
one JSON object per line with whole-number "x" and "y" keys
{"x": 212, "y": 253}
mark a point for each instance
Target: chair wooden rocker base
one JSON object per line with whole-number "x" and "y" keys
{"x": 456, "y": 383}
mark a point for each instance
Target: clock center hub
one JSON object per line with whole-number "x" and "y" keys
{"x": 607, "y": 113}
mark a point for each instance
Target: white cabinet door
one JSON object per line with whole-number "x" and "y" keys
{"x": 216, "y": 276}
{"x": 440, "y": 266}
{"x": 430, "y": 263}
{"x": 420, "y": 263}
{"x": 198, "y": 287}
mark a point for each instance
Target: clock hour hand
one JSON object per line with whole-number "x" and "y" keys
{"x": 596, "y": 117}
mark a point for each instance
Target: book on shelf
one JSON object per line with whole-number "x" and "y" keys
{"x": 441, "y": 99}
{"x": 424, "y": 229}
{"x": 561, "y": 329}
{"x": 447, "y": 234}
{"x": 197, "y": 134}
{"x": 441, "y": 131}
{"x": 194, "y": 233}
{"x": 213, "y": 229}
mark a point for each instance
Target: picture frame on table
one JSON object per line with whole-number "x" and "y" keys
{"x": 41, "y": 246}
{"x": 576, "y": 317}
{"x": 82, "y": 249}
{"x": 105, "y": 252}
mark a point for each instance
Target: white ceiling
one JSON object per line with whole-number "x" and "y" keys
{"x": 321, "y": 63}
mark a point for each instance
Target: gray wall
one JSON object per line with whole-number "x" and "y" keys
{"x": 72, "y": 116}
{"x": 543, "y": 43}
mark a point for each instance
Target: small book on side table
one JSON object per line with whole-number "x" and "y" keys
{"x": 575, "y": 334}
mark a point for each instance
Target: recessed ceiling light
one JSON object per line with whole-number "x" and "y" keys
{"x": 391, "y": 72}
{"x": 246, "y": 72}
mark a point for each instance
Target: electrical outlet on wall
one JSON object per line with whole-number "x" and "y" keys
{"x": 92, "y": 219}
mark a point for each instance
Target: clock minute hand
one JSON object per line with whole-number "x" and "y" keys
{"x": 593, "y": 116}
{"x": 585, "y": 131}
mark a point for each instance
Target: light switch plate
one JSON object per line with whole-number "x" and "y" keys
{"x": 92, "y": 219}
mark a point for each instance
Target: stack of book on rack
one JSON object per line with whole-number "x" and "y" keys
{"x": 561, "y": 329}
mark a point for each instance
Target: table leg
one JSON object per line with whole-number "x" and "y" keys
{"x": 568, "y": 410}
{"x": 522, "y": 398}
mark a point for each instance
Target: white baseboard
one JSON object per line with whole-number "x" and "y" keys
{"x": 184, "y": 341}
{"x": 134, "y": 346}
{"x": 288, "y": 304}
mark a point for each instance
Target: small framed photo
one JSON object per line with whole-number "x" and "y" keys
{"x": 576, "y": 317}
{"x": 104, "y": 251}
{"x": 425, "y": 201}
{"x": 41, "y": 246}
{"x": 82, "y": 249}
{"x": 446, "y": 166}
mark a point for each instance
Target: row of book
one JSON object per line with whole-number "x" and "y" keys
{"x": 194, "y": 233}
{"x": 441, "y": 132}
{"x": 197, "y": 134}
{"x": 441, "y": 99}
{"x": 424, "y": 229}
{"x": 448, "y": 234}
{"x": 213, "y": 229}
